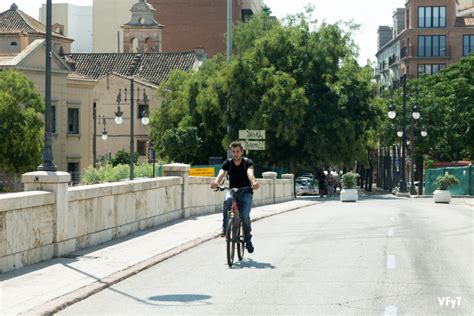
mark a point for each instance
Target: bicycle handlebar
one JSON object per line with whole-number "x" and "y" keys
{"x": 223, "y": 188}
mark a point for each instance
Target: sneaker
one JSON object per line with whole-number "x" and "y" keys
{"x": 222, "y": 234}
{"x": 250, "y": 247}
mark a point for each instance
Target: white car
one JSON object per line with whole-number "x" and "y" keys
{"x": 304, "y": 185}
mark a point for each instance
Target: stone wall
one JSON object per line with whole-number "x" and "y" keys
{"x": 38, "y": 225}
{"x": 26, "y": 229}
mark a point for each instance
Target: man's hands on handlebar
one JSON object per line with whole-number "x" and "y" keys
{"x": 255, "y": 185}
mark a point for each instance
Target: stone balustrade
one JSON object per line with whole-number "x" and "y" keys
{"x": 52, "y": 220}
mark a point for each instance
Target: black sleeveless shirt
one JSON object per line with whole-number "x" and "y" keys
{"x": 238, "y": 174}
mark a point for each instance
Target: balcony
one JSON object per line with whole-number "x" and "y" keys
{"x": 411, "y": 52}
{"x": 406, "y": 52}
{"x": 392, "y": 59}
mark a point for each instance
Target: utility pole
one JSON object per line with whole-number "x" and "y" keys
{"x": 229, "y": 60}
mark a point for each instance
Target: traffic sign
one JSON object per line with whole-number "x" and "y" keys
{"x": 253, "y": 144}
{"x": 252, "y": 134}
{"x": 202, "y": 172}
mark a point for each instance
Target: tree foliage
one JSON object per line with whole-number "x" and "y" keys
{"x": 123, "y": 158}
{"x": 297, "y": 80}
{"x": 446, "y": 101}
{"x": 21, "y": 126}
{"x": 181, "y": 144}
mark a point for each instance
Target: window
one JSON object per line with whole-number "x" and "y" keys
{"x": 431, "y": 46}
{"x": 73, "y": 121}
{"x": 141, "y": 147}
{"x": 73, "y": 170}
{"x": 141, "y": 108}
{"x": 13, "y": 44}
{"x": 442, "y": 17}
{"x": 468, "y": 44}
{"x": 53, "y": 119}
{"x": 246, "y": 15}
{"x": 429, "y": 69}
{"x": 431, "y": 17}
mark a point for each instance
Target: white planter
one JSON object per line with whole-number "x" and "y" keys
{"x": 348, "y": 195}
{"x": 442, "y": 196}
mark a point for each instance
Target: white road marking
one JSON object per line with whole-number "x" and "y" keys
{"x": 390, "y": 311}
{"x": 391, "y": 264}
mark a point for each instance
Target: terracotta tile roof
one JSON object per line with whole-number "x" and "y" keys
{"x": 464, "y": 22}
{"x": 16, "y": 21}
{"x": 152, "y": 67}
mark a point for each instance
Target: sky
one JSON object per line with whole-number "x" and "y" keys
{"x": 369, "y": 14}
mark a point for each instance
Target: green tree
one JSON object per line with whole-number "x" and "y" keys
{"x": 193, "y": 100}
{"x": 447, "y": 104}
{"x": 21, "y": 126}
{"x": 446, "y": 101}
{"x": 181, "y": 144}
{"x": 123, "y": 158}
{"x": 297, "y": 80}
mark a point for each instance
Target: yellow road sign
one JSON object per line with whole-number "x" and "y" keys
{"x": 202, "y": 172}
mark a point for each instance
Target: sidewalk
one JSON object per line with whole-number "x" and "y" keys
{"x": 50, "y": 286}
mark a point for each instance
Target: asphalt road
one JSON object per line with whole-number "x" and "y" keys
{"x": 379, "y": 256}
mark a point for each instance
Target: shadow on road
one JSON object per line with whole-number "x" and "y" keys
{"x": 252, "y": 264}
{"x": 181, "y": 298}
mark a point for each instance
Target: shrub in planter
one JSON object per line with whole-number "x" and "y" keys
{"x": 349, "y": 180}
{"x": 446, "y": 181}
{"x": 442, "y": 195}
{"x": 348, "y": 192}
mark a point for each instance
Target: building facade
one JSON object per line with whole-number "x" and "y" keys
{"x": 85, "y": 88}
{"x": 74, "y": 22}
{"x": 114, "y": 72}
{"x": 436, "y": 33}
{"x": 188, "y": 24}
{"x": 142, "y": 33}
{"x": 18, "y": 30}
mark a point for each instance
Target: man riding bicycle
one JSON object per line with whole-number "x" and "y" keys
{"x": 240, "y": 171}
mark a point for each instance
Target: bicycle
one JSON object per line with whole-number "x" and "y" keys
{"x": 234, "y": 228}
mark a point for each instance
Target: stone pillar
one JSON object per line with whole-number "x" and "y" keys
{"x": 181, "y": 170}
{"x": 291, "y": 177}
{"x": 272, "y": 176}
{"x": 56, "y": 182}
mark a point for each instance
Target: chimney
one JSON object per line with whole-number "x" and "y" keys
{"x": 23, "y": 41}
{"x": 384, "y": 35}
{"x": 200, "y": 53}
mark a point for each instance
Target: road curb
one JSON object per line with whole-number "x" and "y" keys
{"x": 64, "y": 301}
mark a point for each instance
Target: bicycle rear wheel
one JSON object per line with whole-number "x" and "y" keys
{"x": 230, "y": 241}
{"x": 240, "y": 241}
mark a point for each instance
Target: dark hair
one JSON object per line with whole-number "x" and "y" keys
{"x": 235, "y": 144}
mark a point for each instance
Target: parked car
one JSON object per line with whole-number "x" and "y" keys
{"x": 307, "y": 175}
{"x": 305, "y": 185}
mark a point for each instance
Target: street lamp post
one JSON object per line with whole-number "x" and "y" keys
{"x": 403, "y": 182}
{"x": 119, "y": 118}
{"x": 415, "y": 115}
{"x": 47, "y": 158}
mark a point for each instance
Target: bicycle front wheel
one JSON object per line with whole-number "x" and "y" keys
{"x": 230, "y": 232}
{"x": 240, "y": 241}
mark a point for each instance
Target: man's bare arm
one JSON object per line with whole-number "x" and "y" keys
{"x": 253, "y": 181}
{"x": 219, "y": 179}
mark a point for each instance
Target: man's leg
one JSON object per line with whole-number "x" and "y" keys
{"x": 226, "y": 209}
{"x": 245, "y": 201}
